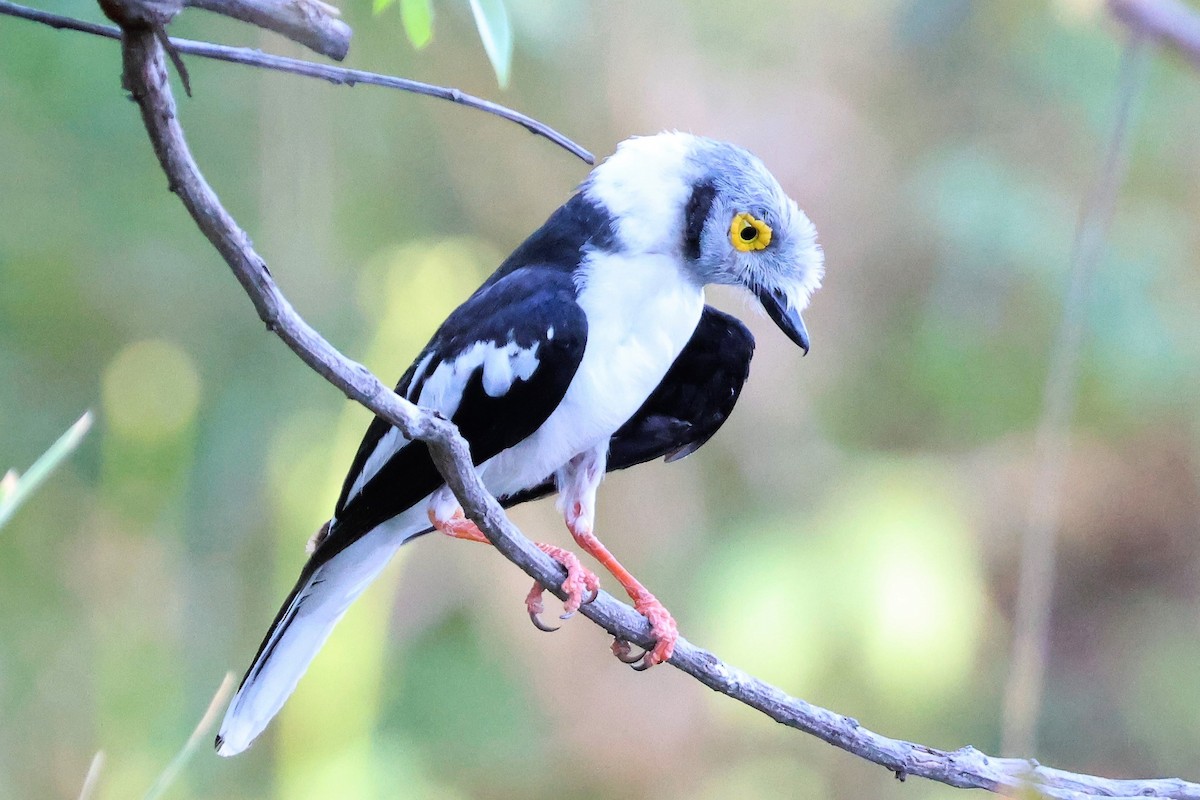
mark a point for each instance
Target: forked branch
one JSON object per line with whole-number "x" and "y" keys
{"x": 316, "y": 25}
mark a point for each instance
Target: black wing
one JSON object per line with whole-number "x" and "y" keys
{"x": 691, "y": 403}
{"x": 531, "y": 315}
{"x": 695, "y": 397}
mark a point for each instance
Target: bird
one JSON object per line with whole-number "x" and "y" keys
{"x": 590, "y": 348}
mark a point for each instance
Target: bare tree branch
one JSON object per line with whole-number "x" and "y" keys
{"x": 145, "y": 76}
{"x": 316, "y": 25}
{"x": 312, "y": 23}
{"x": 1171, "y": 22}
{"x": 336, "y": 75}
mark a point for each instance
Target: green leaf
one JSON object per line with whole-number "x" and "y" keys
{"x": 417, "y": 16}
{"x": 379, "y": 6}
{"x": 491, "y": 18}
{"x": 15, "y": 489}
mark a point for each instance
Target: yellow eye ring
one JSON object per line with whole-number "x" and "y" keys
{"x": 748, "y": 232}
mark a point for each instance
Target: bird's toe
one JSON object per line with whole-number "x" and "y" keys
{"x": 662, "y": 628}
{"x": 533, "y": 604}
{"x": 624, "y": 652}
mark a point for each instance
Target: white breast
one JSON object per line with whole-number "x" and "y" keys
{"x": 641, "y": 312}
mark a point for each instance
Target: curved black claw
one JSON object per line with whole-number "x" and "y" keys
{"x": 590, "y": 598}
{"x": 642, "y": 664}
{"x": 621, "y": 650}
{"x": 541, "y": 626}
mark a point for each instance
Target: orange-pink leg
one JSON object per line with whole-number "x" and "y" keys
{"x": 662, "y": 624}
{"x": 579, "y": 578}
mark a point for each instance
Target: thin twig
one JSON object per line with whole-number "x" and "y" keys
{"x": 146, "y": 79}
{"x": 1035, "y": 584}
{"x": 295, "y": 66}
{"x": 92, "y": 780}
{"x": 199, "y": 735}
{"x": 16, "y": 489}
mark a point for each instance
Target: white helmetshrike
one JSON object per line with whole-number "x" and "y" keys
{"x": 589, "y": 349}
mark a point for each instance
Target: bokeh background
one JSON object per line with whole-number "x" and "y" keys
{"x": 852, "y": 534}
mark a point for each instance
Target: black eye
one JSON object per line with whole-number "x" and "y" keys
{"x": 749, "y": 233}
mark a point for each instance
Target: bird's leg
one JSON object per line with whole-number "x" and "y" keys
{"x": 578, "y": 482}
{"x": 450, "y": 520}
{"x": 662, "y": 624}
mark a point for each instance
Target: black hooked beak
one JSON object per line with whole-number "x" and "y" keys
{"x": 787, "y": 318}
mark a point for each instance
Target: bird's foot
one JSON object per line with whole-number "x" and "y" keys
{"x": 457, "y": 526}
{"x": 579, "y": 579}
{"x": 662, "y": 628}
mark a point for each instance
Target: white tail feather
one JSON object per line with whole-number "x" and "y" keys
{"x": 303, "y": 627}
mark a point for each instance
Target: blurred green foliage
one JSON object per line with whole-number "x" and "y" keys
{"x": 417, "y": 16}
{"x": 851, "y": 534}
{"x": 491, "y": 20}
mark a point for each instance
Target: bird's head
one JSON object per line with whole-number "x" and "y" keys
{"x": 720, "y": 210}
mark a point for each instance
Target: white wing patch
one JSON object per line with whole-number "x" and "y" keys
{"x": 502, "y": 367}
{"x": 518, "y": 363}
{"x": 418, "y": 374}
{"x": 392, "y": 441}
{"x": 497, "y": 372}
{"x": 443, "y": 390}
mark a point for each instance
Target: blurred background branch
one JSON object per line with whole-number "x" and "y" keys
{"x": 170, "y": 774}
{"x": 1169, "y": 22}
{"x": 1035, "y": 584}
{"x": 199, "y": 738}
{"x": 1175, "y": 24}
{"x": 92, "y": 779}
{"x": 15, "y": 488}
